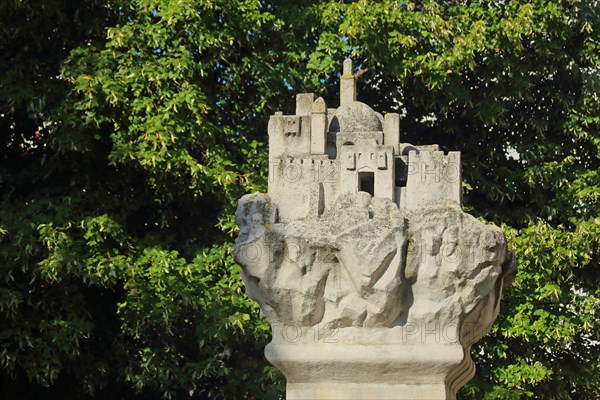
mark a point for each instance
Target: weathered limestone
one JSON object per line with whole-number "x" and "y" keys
{"x": 392, "y": 131}
{"x": 318, "y": 130}
{"x": 347, "y": 84}
{"x": 433, "y": 176}
{"x": 304, "y": 103}
{"x": 375, "y": 282}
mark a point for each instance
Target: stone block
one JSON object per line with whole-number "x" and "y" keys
{"x": 319, "y": 124}
{"x": 347, "y": 90}
{"x": 391, "y": 131}
{"x": 433, "y": 179}
{"x": 304, "y": 102}
{"x": 318, "y": 134}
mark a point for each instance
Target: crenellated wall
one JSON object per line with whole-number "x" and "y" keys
{"x": 292, "y": 180}
{"x": 433, "y": 178}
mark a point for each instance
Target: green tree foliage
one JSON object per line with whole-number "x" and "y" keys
{"x": 130, "y": 129}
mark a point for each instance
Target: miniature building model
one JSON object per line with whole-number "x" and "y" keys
{"x": 375, "y": 281}
{"x": 321, "y": 153}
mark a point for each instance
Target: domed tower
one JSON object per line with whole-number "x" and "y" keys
{"x": 365, "y": 143}
{"x": 367, "y": 162}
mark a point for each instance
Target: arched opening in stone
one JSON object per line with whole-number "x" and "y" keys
{"x": 366, "y": 182}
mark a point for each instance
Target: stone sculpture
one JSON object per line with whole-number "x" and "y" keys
{"x": 375, "y": 282}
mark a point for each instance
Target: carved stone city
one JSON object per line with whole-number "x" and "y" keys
{"x": 374, "y": 280}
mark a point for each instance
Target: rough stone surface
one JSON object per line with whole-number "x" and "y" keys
{"x": 347, "y": 83}
{"x": 318, "y": 129}
{"x": 364, "y": 264}
{"x": 357, "y": 117}
{"x": 392, "y": 131}
{"x": 375, "y": 282}
{"x": 304, "y": 102}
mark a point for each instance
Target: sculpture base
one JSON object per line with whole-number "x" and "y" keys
{"x": 352, "y": 390}
{"x": 371, "y": 371}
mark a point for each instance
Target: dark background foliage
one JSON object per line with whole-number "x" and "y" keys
{"x": 129, "y": 129}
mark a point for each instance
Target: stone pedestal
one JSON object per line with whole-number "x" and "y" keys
{"x": 343, "y": 371}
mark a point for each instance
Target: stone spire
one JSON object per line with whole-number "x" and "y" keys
{"x": 347, "y": 83}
